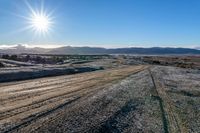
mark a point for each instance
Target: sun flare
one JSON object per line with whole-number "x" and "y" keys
{"x": 40, "y": 22}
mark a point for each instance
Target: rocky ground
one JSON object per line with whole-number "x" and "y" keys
{"x": 128, "y": 99}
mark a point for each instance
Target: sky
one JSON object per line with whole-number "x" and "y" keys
{"x": 103, "y": 23}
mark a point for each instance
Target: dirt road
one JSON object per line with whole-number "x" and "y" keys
{"x": 24, "y": 103}
{"x": 128, "y": 100}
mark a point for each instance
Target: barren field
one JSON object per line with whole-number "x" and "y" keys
{"x": 128, "y": 99}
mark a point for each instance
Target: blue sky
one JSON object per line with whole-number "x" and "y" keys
{"x": 105, "y": 23}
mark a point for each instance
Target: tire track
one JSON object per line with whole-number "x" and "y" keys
{"x": 37, "y": 116}
{"x": 171, "y": 121}
{"x": 38, "y": 104}
{"x": 157, "y": 97}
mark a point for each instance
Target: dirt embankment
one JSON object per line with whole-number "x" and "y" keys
{"x": 8, "y": 75}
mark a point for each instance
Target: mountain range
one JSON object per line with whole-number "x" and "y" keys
{"x": 97, "y": 50}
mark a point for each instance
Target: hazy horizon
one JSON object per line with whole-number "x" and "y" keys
{"x": 60, "y": 46}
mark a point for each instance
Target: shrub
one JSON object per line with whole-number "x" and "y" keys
{"x": 1, "y": 65}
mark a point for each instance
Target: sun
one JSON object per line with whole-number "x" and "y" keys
{"x": 40, "y": 22}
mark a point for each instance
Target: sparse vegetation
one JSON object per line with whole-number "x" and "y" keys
{"x": 53, "y": 59}
{"x": 1, "y": 65}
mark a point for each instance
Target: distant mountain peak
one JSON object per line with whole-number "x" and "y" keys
{"x": 99, "y": 50}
